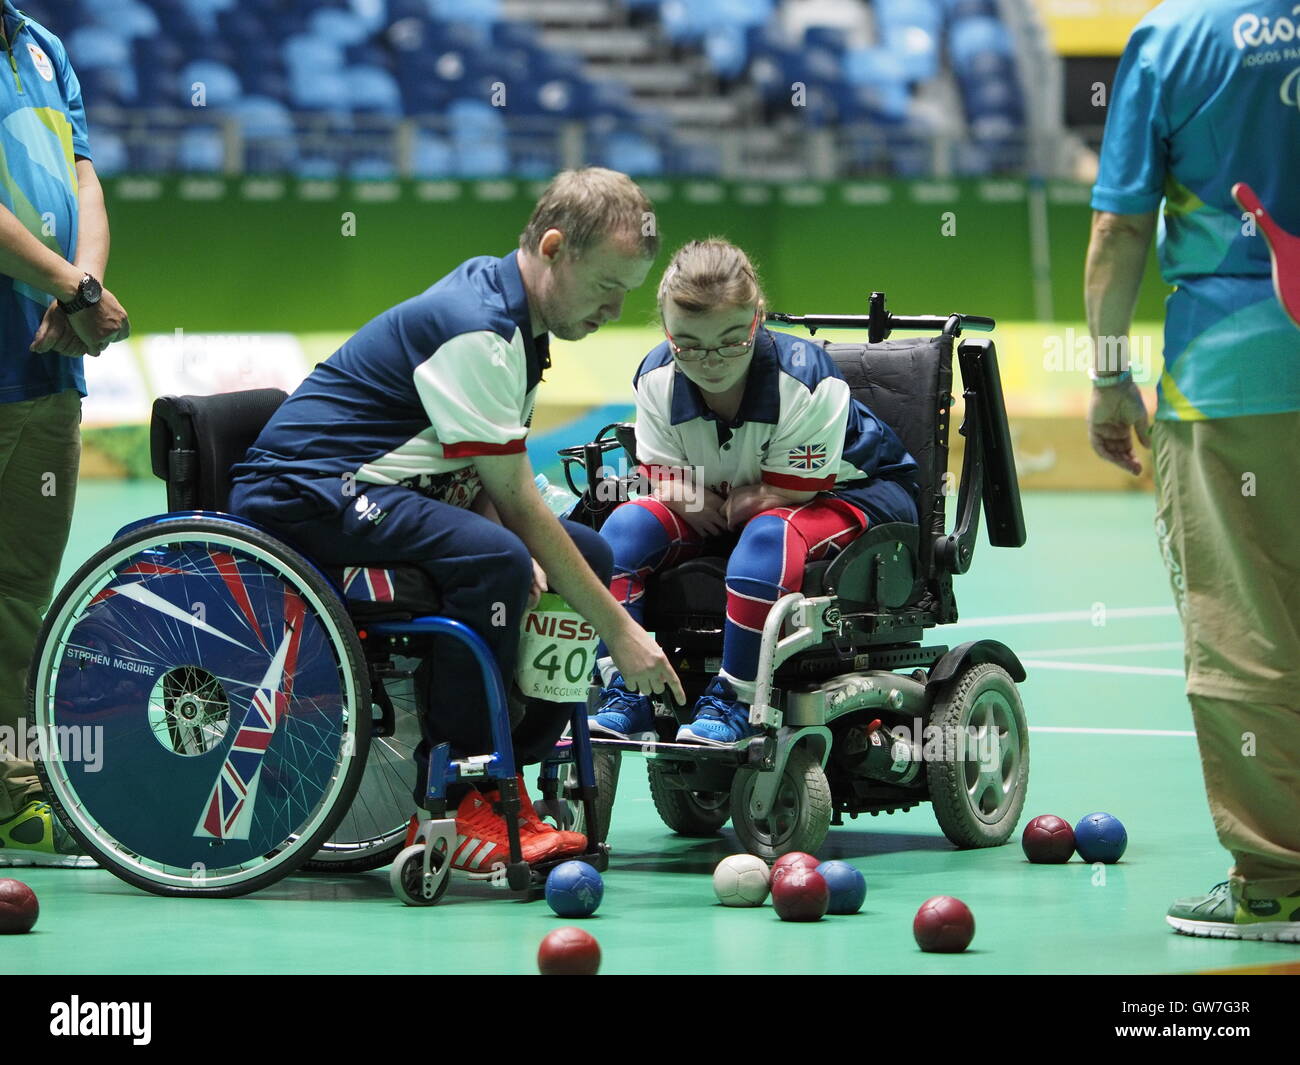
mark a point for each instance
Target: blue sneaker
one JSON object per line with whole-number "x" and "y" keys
{"x": 622, "y": 714}
{"x": 720, "y": 720}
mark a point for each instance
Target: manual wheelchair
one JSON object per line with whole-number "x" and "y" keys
{"x": 253, "y": 712}
{"x": 844, "y": 730}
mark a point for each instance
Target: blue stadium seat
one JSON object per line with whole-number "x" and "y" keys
{"x": 926, "y": 14}
{"x": 373, "y": 90}
{"x": 632, "y": 154}
{"x": 201, "y": 150}
{"x": 482, "y": 159}
{"x": 972, "y": 39}
{"x": 325, "y": 90}
{"x": 342, "y": 27}
{"x": 260, "y": 117}
{"x": 204, "y": 12}
{"x": 479, "y": 13}
{"x": 97, "y": 46}
{"x": 108, "y": 152}
{"x": 917, "y": 47}
{"x": 127, "y": 18}
{"x": 877, "y": 68}
{"x": 367, "y": 167}
{"x": 995, "y": 96}
{"x": 432, "y": 156}
{"x": 728, "y": 51}
{"x": 475, "y": 120}
{"x": 373, "y": 14}
{"x": 310, "y": 54}
{"x": 220, "y": 85}
{"x": 316, "y": 167}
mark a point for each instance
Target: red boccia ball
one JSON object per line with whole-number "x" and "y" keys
{"x": 1048, "y": 839}
{"x": 800, "y": 894}
{"x": 943, "y": 925}
{"x": 18, "y": 907}
{"x": 793, "y": 860}
{"x": 568, "y": 952}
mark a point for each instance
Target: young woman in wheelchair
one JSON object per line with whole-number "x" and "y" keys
{"x": 753, "y": 448}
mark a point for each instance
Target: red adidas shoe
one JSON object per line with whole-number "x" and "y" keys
{"x": 482, "y": 844}
{"x": 531, "y": 823}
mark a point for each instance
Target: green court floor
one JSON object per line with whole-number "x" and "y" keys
{"x": 1085, "y": 604}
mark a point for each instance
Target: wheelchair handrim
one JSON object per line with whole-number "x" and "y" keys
{"x": 380, "y": 812}
{"x": 121, "y": 859}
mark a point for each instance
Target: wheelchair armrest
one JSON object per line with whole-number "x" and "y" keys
{"x": 878, "y": 568}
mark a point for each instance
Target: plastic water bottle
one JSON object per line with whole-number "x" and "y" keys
{"x": 557, "y": 500}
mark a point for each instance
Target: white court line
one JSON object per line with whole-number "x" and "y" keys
{"x": 1065, "y": 615}
{"x": 1111, "y": 731}
{"x": 1097, "y": 667}
{"x": 1117, "y": 649}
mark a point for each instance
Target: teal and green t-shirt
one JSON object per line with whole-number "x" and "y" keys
{"x": 1208, "y": 94}
{"x": 42, "y": 130}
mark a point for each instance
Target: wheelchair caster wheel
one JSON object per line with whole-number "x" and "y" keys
{"x": 409, "y": 881}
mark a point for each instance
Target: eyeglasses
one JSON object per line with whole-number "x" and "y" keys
{"x": 726, "y": 351}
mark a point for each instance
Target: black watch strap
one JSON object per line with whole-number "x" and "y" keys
{"x": 79, "y": 302}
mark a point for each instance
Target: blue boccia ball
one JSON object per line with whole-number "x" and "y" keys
{"x": 1100, "y": 837}
{"x": 847, "y": 885}
{"x": 574, "y": 889}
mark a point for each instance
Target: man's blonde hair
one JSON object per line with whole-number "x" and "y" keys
{"x": 708, "y": 274}
{"x": 589, "y": 205}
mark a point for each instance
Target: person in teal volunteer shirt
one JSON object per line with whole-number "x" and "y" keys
{"x": 1207, "y": 95}
{"x": 53, "y": 310}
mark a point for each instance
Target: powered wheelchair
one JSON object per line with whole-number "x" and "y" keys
{"x": 856, "y": 714}
{"x": 253, "y": 712}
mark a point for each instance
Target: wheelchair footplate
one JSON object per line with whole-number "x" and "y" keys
{"x": 753, "y": 750}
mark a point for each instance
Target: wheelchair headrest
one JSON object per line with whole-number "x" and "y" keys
{"x": 194, "y": 440}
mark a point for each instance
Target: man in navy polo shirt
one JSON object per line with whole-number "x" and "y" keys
{"x": 53, "y": 310}
{"x": 407, "y": 444}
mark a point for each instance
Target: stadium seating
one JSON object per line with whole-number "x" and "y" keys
{"x": 281, "y": 68}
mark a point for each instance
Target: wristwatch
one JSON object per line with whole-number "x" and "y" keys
{"x": 88, "y": 294}
{"x": 1107, "y": 380}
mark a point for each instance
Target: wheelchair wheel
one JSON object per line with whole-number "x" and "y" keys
{"x": 695, "y": 814}
{"x": 801, "y": 814}
{"x": 221, "y": 683}
{"x": 979, "y": 792}
{"x": 606, "y": 766}
{"x": 374, "y": 828}
{"x": 406, "y": 877}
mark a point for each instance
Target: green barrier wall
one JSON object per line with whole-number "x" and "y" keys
{"x": 269, "y": 254}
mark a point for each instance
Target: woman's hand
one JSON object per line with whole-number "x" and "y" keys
{"x": 702, "y": 511}
{"x": 747, "y": 500}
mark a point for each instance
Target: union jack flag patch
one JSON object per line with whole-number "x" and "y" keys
{"x": 807, "y": 458}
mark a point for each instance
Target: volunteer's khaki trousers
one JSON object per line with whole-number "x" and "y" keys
{"x": 1227, "y": 504}
{"x": 40, "y": 448}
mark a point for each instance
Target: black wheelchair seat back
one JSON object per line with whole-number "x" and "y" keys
{"x": 907, "y": 384}
{"x": 195, "y": 440}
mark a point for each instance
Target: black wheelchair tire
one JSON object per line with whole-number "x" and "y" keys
{"x": 948, "y": 779}
{"x": 805, "y": 787}
{"x": 301, "y": 849}
{"x": 606, "y": 766}
{"x": 683, "y": 811}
